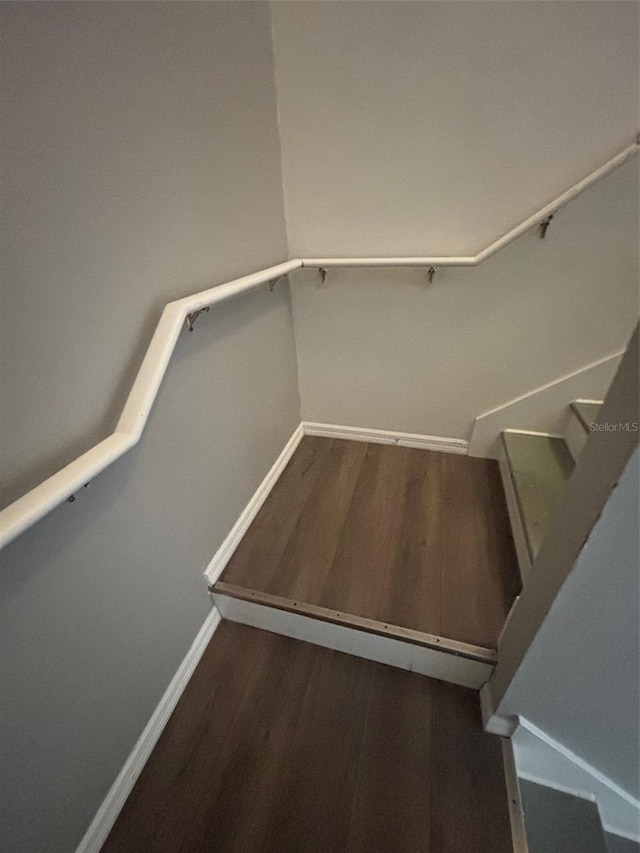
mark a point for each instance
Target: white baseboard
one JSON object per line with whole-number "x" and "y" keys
{"x": 543, "y": 409}
{"x": 516, "y": 813}
{"x": 231, "y": 542}
{"x": 541, "y": 759}
{"x": 381, "y": 436}
{"x": 106, "y": 816}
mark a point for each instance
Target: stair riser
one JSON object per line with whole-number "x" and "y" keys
{"x": 516, "y": 814}
{"x": 403, "y": 655}
{"x": 575, "y": 436}
{"x": 540, "y": 467}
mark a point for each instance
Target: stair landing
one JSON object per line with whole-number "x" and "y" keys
{"x": 278, "y": 746}
{"x": 390, "y": 540}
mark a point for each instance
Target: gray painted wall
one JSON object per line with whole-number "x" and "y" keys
{"x": 422, "y": 128}
{"x": 579, "y": 680}
{"x": 385, "y": 349}
{"x": 142, "y": 164}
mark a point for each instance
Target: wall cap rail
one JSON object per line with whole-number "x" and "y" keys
{"x": 36, "y": 503}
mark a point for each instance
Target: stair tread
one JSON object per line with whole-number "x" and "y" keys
{"x": 540, "y": 467}
{"x": 586, "y": 411}
{"x": 557, "y": 822}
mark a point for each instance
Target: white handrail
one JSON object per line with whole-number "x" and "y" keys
{"x": 501, "y": 242}
{"x": 31, "y": 507}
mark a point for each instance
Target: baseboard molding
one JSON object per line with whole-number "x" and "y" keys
{"x": 543, "y": 409}
{"x": 382, "y": 649}
{"x": 231, "y": 542}
{"x": 380, "y": 436}
{"x": 541, "y": 759}
{"x": 108, "y": 812}
{"x": 516, "y": 813}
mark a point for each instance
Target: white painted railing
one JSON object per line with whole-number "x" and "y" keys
{"x": 32, "y": 506}
{"x": 501, "y": 242}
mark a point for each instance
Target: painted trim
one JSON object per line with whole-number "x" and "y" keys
{"x": 549, "y": 399}
{"x": 36, "y": 503}
{"x": 532, "y": 432}
{"x": 493, "y": 723}
{"x": 107, "y": 814}
{"x": 557, "y": 767}
{"x": 232, "y": 540}
{"x": 516, "y": 813}
{"x": 381, "y": 436}
{"x": 361, "y": 623}
{"x": 575, "y": 404}
{"x": 579, "y": 762}
{"x": 553, "y": 383}
{"x": 392, "y": 652}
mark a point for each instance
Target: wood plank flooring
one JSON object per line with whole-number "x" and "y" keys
{"x": 280, "y": 746}
{"x": 414, "y": 538}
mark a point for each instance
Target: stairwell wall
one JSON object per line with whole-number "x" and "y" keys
{"x": 141, "y": 163}
{"x": 569, "y": 653}
{"x": 432, "y": 128}
{"x": 579, "y": 679}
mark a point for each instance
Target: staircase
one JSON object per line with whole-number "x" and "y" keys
{"x": 535, "y": 469}
{"x": 333, "y": 556}
{"x": 396, "y": 554}
{"x": 362, "y": 549}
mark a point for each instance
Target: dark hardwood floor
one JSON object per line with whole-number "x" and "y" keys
{"x": 409, "y": 537}
{"x": 284, "y": 747}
